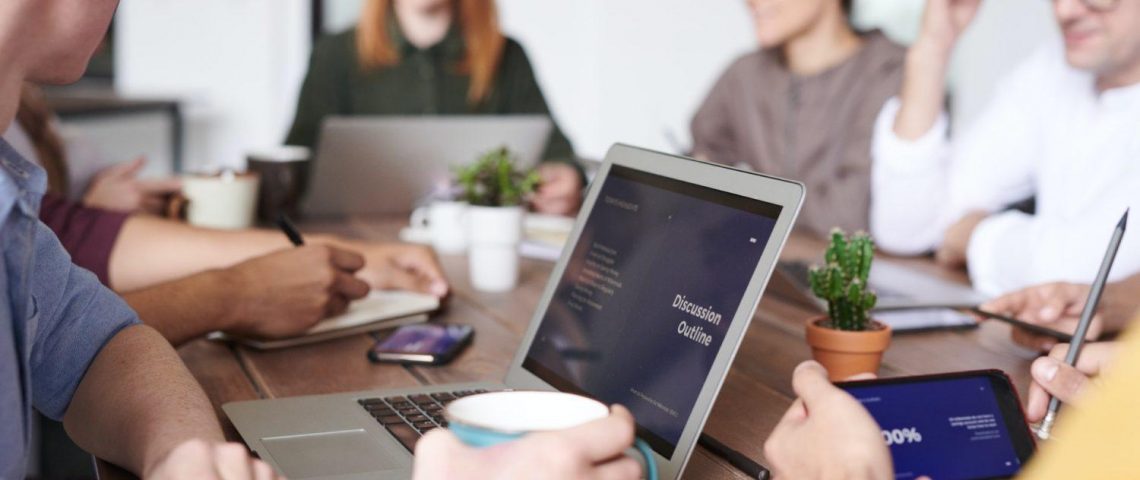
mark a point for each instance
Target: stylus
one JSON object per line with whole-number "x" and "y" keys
{"x": 734, "y": 458}
{"x": 1043, "y": 431}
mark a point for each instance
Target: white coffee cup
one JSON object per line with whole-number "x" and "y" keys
{"x": 494, "y": 234}
{"x": 446, "y": 223}
{"x": 226, "y": 201}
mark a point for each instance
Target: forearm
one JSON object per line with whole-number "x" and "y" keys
{"x": 923, "y": 90}
{"x": 151, "y": 250}
{"x": 185, "y": 309}
{"x": 137, "y": 401}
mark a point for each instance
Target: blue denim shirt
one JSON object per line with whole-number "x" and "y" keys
{"x": 54, "y": 316}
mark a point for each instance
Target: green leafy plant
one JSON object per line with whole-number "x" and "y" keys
{"x": 495, "y": 181}
{"x": 842, "y": 280}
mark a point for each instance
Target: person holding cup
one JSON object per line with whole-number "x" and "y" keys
{"x": 592, "y": 450}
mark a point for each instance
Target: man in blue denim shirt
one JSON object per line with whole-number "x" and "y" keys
{"x": 69, "y": 347}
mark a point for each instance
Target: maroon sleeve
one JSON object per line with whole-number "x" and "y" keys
{"x": 88, "y": 234}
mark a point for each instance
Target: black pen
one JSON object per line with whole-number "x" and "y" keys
{"x": 1044, "y": 430}
{"x": 734, "y": 458}
{"x": 1038, "y": 329}
{"x": 290, "y": 230}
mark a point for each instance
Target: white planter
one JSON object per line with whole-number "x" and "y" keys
{"x": 493, "y": 239}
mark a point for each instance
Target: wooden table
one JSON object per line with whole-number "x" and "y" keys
{"x": 751, "y": 402}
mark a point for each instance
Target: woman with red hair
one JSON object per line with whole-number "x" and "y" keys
{"x": 432, "y": 57}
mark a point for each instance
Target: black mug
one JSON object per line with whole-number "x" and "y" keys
{"x": 284, "y": 173}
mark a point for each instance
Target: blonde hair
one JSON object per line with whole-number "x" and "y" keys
{"x": 478, "y": 23}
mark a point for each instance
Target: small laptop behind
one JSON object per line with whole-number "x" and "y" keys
{"x": 386, "y": 164}
{"x": 647, "y": 308}
{"x": 899, "y": 287}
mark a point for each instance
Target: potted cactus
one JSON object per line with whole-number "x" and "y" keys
{"x": 846, "y": 341}
{"x": 496, "y": 189}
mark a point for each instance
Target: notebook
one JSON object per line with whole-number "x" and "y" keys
{"x": 381, "y": 309}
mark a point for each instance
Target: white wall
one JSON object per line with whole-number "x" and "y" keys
{"x": 612, "y": 70}
{"x": 236, "y": 64}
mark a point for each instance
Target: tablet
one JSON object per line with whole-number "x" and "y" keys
{"x": 966, "y": 425}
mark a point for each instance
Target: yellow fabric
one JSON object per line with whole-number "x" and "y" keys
{"x": 1101, "y": 440}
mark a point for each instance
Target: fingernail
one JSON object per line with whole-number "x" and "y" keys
{"x": 1048, "y": 312}
{"x": 1045, "y": 369}
{"x": 439, "y": 289}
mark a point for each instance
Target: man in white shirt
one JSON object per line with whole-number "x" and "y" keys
{"x": 1064, "y": 127}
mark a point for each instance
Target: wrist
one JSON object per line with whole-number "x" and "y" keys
{"x": 228, "y": 286}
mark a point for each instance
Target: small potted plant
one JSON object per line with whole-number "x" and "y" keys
{"x": 495, "y": 188}
{"x": 846, "y": 341}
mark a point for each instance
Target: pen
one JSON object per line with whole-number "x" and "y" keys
{"x": 735, "y": 458}
{"x": 290, "y": 230}
{"x": 1038, "y": 329}
{"x": 1043, "y": 431}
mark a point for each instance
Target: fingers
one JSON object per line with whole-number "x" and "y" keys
{"x": 127, "y": 169}
{"x": 1058, "y": 379}
{"x": 810, "y": 383}
{"x": 1030, "y": 340}
{"x": 399, "y": 279}
{"x": 604, "y": 438}
{"x": 861, "y": 376}
{"x": 345, "y": 260}
{"x": 423, "y": 262}
{"x": 623, "y": 468}
{"x": 160, "y": 186}
{"x": 232, "y": 462}
{"x": 348, "y": 286}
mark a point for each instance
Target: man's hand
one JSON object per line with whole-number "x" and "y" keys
{"x": 398, "y": 266}
{"x": 287, "y": 292}
{"x": 118, "y": 188}
{"x": 1053, "y": 305}
{"x": 1052, "y": 377}
{"x": 590, "y": 451}
{"x": 198, "y": 459}
{"x": 826, "y": 434}
{"x": 952, "y": 253}
{"x": 943, "y": 21}
{"x": 560, "y": 192}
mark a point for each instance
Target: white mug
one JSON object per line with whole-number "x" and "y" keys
{"x": 226, "y": 201}
{"x": 446, "y": 223}
{"x": 494, "y": 234}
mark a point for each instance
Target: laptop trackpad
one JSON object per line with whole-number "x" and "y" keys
{"x": 329, "y": 454}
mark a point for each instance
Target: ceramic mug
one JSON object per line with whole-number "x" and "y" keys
{"x": 226, "y": 200}
{"x": 492, "y": 418}
{"x": 446, "y": 223}
{"x": 284, "y": 172}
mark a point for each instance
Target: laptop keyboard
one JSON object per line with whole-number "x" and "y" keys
{"x": 409, "y": 417}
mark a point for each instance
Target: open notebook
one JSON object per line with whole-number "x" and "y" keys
{"x": 379, "y": 310}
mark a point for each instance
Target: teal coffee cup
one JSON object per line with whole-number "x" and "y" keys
{"x": 493, "y": 418}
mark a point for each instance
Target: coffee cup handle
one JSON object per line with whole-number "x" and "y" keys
{"x": 647, "y": 455}
{"x": 419, "y": 217}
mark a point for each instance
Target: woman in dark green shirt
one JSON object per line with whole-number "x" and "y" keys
{"x": 432, "y": 57}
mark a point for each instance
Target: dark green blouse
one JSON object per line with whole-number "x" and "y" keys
{"x": 425, "y": 82}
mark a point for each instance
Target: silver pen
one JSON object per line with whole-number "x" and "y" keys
{"x": 1044, "y": 430}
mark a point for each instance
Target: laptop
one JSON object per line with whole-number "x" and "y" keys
{"x": 647, "y": 307}
{"x": 387, "y": 164}
{"x": 899, "y": 287}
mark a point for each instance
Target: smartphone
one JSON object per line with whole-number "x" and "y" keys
{"x": 430, "y": 344}
{"x": 966, "y": 425}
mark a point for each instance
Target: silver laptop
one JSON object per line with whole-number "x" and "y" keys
{"x": 647, "y": 308}
{"x": 899, "y": 287}
{"x": 384, "y": 165}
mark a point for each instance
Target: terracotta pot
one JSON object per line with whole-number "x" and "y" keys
{"x": 846, "y": 353}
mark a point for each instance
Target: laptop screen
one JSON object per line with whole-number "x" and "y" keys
{"x": 648, "y": 295}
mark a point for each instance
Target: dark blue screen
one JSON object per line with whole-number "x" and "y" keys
{"x": 944, "y": 429}
{"x": 647, "y": 297}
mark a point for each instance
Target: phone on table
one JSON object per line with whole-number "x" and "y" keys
{"x": 966, "y": 425}
{"x": 429, "y": 344}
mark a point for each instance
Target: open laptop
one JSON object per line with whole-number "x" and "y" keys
{"x": 899, "y": 287}
{"x": 386, "y": 164}
{"x": 668, "y": 260}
